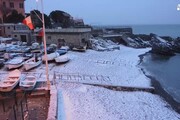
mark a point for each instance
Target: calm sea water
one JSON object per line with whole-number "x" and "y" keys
{"x": 166, "y": 70}
{"x": 161, "y": 30}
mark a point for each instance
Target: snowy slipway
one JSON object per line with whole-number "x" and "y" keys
{"x": 119, "y": 67}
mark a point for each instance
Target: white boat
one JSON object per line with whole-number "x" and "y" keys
{"x": 14, "y": 63}
{"x": 28, "y": 83}
{"x": 51, "y": 56}
{"x": 11, "y": 81}
{"x": 31, "y": 63}
{"x": 62, "y": 58}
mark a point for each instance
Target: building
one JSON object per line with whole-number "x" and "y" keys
{"x": 72, "y": 37}
{"x": 16, "y": 31}
{"x": 6, "y": 6}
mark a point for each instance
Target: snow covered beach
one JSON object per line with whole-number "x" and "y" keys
{"x": 119, "y": 67}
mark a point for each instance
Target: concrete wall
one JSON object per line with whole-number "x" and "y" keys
{"x": 71, "y": 39}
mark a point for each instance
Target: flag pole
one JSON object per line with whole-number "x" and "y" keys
{"x": 45, "y": 50}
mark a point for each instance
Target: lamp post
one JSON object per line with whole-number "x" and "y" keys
{"x": 45, "y": 50}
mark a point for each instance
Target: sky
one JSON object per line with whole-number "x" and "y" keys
{"x": 114, "y": 12}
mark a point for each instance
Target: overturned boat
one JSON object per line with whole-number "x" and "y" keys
{"x": 14, "y": 63}
{"x": 50, "y": 57}
{"x": 62, "y": 59}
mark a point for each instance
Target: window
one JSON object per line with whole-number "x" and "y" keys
{"x": 8, "y": 27}
{"x": 11, "y": 5}
{"x": 21, "y": 5}
{"x": 4, "y": 4}
{"x": 83, "y": 40}
{"x": 15, "y": 35}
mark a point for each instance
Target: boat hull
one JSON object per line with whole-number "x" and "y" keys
{"x": 28, "y": 83}
{"x": 8, "y": 88}
{"x": 13, "y": 66}
{"x": 62, "y": 59}
{"x": 29, "y": 66}
{"x": 11, "y": 81}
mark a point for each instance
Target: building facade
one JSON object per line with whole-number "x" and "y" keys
{"x": 72, "y": 37}
{"x": 17, "y": 31}
{"x": 6, "y": 6}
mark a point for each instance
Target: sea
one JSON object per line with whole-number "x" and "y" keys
{"x": 161, "y": 30}
{"x": 166, "y": 70}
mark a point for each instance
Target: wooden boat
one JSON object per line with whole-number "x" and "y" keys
{"x": 27, "y": 83}
{"x": 50, "y": 57}
{"x": 11, "y": 81}
{"x": 31, "y": 63}
{"x": 14, "y": 63}
{"x": 62, "y": 59}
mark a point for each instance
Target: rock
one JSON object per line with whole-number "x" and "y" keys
{"x": 136, "y": 42}
{"x": 103, "y": 45}
{"x": 161, "y": 46}
{"x": 176, "y": 45}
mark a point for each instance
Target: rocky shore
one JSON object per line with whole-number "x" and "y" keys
{"x": 163, "y": 45}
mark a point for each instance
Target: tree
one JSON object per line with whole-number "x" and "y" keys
{"x": 36, "y": 20}
{"x": 61, "y": 18}
{"x": 14, "y": 17}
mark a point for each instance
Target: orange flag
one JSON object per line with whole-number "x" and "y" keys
{"x": 27, "y": 21}
{"x": 41, "y": 33}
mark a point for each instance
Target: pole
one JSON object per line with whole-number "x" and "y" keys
{"x": 45, "y": 51}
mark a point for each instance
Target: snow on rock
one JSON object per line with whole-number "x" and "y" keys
{"x": 103, "y": 45}
{"x": 83, "y": 102}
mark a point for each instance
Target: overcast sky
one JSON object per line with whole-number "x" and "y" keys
{"x": 114, "y": 12}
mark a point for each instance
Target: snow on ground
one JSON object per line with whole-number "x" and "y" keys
{"x": 83, "y": 102}
{"x": 120, "y": 66}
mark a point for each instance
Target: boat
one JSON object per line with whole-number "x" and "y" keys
{"x": 14, "y": 63}
{"x": 27, "y": 83}
{"x": 50, "y": 57}
{"x": 31, "y": 63}
{"x": 11, "y": 81}
{"x": 62, "y": 59}
{"x": 61, "y": 51}
{"x": 80, "y": 48}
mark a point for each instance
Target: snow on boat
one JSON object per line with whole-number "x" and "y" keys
{"x": 27, "y": 83}
{"x": 11, "y": 81}
{"x": 51, "y": 56}
{"x": 62, "y": 59}
{"x": 31, "y": 63}
{"x": 14, "y": 63}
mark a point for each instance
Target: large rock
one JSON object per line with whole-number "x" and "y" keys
{"x": 176, "y": 45}
{"x": 161, "y": 46}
